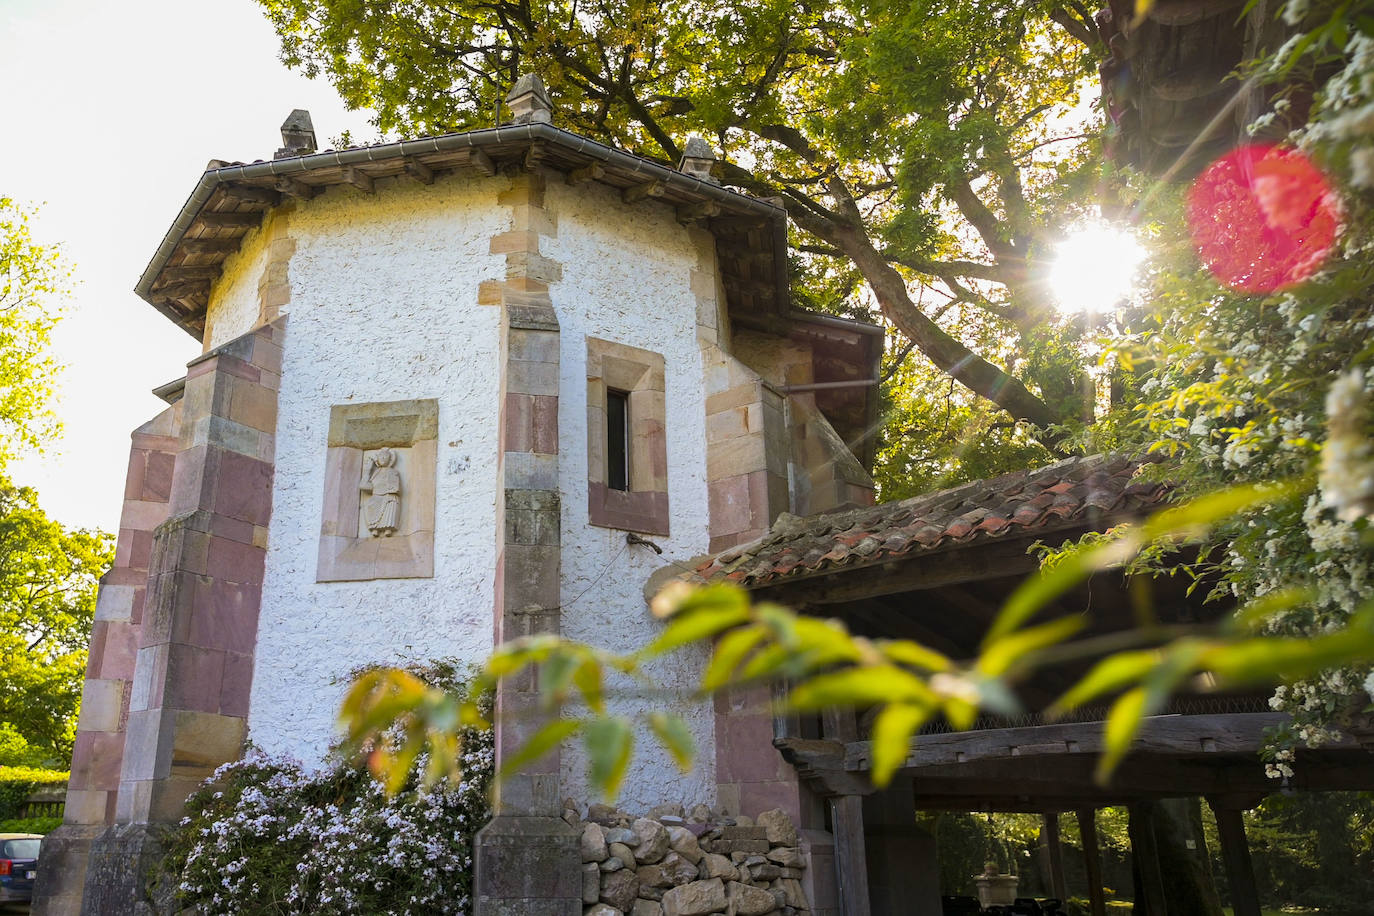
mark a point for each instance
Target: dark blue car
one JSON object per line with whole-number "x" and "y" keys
{"x": 18, "y": 866}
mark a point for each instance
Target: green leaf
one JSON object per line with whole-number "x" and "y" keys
{"x": 694, "y": 625}
{"x": 588, "y": 679}
{"x": 547, "y": 738}
{"x": 1110, "y": 674}
{"x": 861, "y": 687}
{"x": 673, "y": 734}
{"x": 892, "y": 731}
{"x": 609, "y": 741}
{"x": 1000, "y": 655}
{"x": 1189, "y": 520}
{"x": 1123, "y": 724}
{"x": 730, "y": 652}
{"x": 555, "y": 677}
{"x": 911, "y": 653}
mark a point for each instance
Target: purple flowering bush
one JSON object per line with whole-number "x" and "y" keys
{"x": 265, "y": 835}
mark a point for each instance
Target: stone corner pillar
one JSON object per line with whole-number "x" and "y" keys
{"x": 187, "y": 707}
{"x": 526, "y": 861}
{"x": 93, "y": 787}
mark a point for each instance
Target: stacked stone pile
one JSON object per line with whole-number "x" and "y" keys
{"x": 697, "y": 863}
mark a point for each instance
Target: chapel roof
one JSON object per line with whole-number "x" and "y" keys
{"x": 231, "y": 198}
{"x": 1078, "y": 493}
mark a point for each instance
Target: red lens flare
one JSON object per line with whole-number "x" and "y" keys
{"x": 1262, "y": 218}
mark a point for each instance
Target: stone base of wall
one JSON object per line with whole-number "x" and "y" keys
{"x": 62, "y": 869}
{"x": 676, "y": 863}
{"x": 122, "y": 878}
{"x": 526, "y": 866}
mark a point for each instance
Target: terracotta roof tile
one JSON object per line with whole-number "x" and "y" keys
{"x": 1093, "y": 490}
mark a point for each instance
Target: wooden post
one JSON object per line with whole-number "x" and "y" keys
{"x": 1056, "y": 853}
{"x": 1146, "y": 853}
{"x": 847, "y": 820}
{"x": 1092, "y": 861}
{"x": 1235, "y": 852}
{"x": 851, "y": 863}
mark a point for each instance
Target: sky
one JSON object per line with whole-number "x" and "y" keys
{"x": 108, "y": 114}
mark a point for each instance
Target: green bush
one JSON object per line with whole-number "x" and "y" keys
{"x": 42, "y": 825}
{"x": 18, "y": 783}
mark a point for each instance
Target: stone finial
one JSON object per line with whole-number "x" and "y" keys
{"x": 529, "y": 102}
{"x": 297, "y": 135}
{"x": 697, "y": 159}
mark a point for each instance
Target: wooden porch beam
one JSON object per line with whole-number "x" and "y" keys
{"x": 296, "y": 188}
{"x": 1179, "y": 735}
{"x": 589, "y": 172}
{"x": 253, "y": 193}
{"x": 481, "y": 162}
{"x": 638, "y": 192}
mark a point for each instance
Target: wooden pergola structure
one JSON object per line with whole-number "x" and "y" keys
{"x": 937, "y": 569}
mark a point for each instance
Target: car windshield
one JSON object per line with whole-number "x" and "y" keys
{"x": 21, "y": 849}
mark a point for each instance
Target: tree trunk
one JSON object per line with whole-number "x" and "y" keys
{"x": 1186, "y": 891}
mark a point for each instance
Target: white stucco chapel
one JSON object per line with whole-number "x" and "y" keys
{"x": 442, "y": 380}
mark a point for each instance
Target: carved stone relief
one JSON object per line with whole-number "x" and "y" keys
{"x": 379, "y": 492}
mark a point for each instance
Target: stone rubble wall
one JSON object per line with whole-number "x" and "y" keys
{"x": 698, "y": 863}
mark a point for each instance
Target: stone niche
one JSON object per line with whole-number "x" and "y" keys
{"x": 379, "y": 492}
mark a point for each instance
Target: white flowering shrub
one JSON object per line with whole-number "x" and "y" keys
{"x": 265, "y": 835}
{"x": 1263, "y": 387}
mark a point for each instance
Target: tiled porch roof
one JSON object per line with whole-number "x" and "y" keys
{"x": 1085, "y": 492}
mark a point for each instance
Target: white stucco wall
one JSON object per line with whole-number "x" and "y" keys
{"x": 233, "y": 309}
{"x": 383, "y": 308}
{"x": 626, "y": 272}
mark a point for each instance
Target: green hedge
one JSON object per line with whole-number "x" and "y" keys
{"x": 43, "y": 825}
{"x": 18, "y": 783}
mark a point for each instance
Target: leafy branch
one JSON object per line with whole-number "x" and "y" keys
{"x": 821, "y": 665}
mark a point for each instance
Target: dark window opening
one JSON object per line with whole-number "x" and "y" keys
{"x": 618, "y": 440}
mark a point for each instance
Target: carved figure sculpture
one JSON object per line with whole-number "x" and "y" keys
{"x": 382, "y": 509}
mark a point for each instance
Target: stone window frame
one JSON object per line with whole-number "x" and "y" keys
{"x": 642, "y": 508}
{"x": 346, "y": 555}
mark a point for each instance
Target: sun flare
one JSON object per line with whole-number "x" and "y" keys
{"x": 1094, "y": 267}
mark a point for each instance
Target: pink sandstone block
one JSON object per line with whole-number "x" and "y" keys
{"x": 243, "y": 489}
{"x": 757, "y": 797}
{"x": 225, "y": 616}
{"x": 194, "y": 678}
{"x": 232, "y": 561}
{"x": 157, "y": 476}
{"x": 237, "y": 685}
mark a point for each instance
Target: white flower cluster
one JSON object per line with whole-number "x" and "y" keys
{"x": 1347, "y": 468}
{"x": 267, "y": 836}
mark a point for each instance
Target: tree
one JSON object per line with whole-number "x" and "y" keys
{"x": 48, "y": 579}
{"x": 938, "y": 179}
{"x": 33, "y": 279}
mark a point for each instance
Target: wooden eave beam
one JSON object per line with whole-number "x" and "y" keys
{"x": 210, "y": 246}
{"x": 359, "y": 179}
{"x": 183, "y": 290}
{"x": 639, "y": 192}
{"x": 592, "y": 171}
{"x": 480, "y": 161}
{"x": 230, "y": 220}
{"x": 419, "y": 171}
{"x": 199, "y": 272}
{"x": 253, "y": 194}
{"x": 292, "y": 187}
{"x": 689, "y": 214}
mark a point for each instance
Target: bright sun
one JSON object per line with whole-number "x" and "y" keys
{"x": 1093, "y": 268}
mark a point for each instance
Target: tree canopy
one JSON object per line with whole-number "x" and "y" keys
{"x": 33, "y": 280}
{"x": 48, "y": 578}
{"x": 929, "y": 184}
